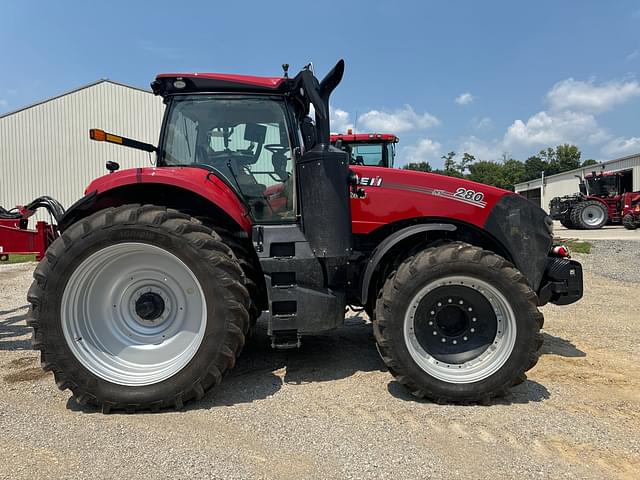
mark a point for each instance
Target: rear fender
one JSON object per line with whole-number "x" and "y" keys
{"x": 187, "y": 188}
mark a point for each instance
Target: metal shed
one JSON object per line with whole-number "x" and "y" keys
{"x": 542, "y": 190}
{"x": 45, "y": 147}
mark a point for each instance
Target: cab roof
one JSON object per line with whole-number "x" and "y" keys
{"x": 169, "y": 83}
{"x": 364, "y": 137}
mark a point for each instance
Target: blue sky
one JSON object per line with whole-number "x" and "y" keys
{"x": 483, "y": 77}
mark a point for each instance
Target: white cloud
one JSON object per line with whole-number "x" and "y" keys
{"x": 573, "y": 94}
{"x": 424, "y": 150}
{"x": 398, "y": 121}
{"x": 340, "y": 120}
{"x": 484, "y": 122}
{"x": 633, "y": 55}
{"x": 619, "y": 147}
{"x": 481, "y": 149}
{"x": 549, "y": 129}
{"x": 3, "y": 103}
{"x": 464, "y": 98}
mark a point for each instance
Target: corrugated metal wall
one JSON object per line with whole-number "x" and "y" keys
{"x": 567, "y": 184}
{"x": 45, "y": 149}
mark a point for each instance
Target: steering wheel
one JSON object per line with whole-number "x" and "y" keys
{"x": 276, "y": 148}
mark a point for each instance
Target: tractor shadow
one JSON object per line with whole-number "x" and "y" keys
{"x": 559, "y": 346}
{"x": 261, "y": 371}
{"x": 13, "y": 329}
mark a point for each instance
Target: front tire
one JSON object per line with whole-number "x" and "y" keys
{"x": 138, "y": 308}
{"x": 456, "y": 323}
{"x": 629, "y": 222}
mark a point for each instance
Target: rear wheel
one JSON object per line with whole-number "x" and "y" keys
{"x": 567, "y": 223}
{"x": 629, "y": 222}
{"x": 590, "y": 215}
{"x": 456, "y": 323}
{"x": 138, "y": 307}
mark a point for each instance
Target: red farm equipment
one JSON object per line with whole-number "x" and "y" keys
{"x": 15, "y": 236}
{"x": 631, "y": 210}
{"x": 367, "y": 149}
{"x": 602, "y": 200}
{"x": 145, "y": 300}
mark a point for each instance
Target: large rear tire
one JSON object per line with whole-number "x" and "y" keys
{"x": 138, "y": 308}
{"x": 590, "y": 215}
{"x": 567, "y": 223}
{"x": 629, "y": 222}
{"x": 456, "y": 323}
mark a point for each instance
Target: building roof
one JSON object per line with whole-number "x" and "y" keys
{"x": 89, "y": 85}
{"x": 579, "y": 169}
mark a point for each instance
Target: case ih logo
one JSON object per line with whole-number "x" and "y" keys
{"x": 370, "y": 181}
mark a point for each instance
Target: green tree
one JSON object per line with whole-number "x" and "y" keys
{"x": 533, "y": 168}
{"x": 451, "y": 168}
{"x": 463, "y": 165}
{"x": 513, "y": 171}
{"x": 418, "y": 166}
{"x": 567, "y": 157}
{"x": 589, "y": 162}
{"x": 487, "y": 172}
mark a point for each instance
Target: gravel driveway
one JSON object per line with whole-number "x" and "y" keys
{"x": 331, "y": 410}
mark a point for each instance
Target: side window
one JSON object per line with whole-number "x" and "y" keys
{"x": 181, "y": 139}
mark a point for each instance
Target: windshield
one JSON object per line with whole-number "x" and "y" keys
{"x": 370, "y": 154}
{"x": 245, "y": 139}
{"x": 603, "y": 185}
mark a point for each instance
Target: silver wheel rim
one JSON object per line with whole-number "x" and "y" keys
{"x": 592, "y": 215}
{"x": 101, "y": 319}
{"x": 485, "y": 364}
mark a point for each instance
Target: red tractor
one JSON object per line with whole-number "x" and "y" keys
{"x": 146, "y": 298}
{"x": 631, "y": 210}
{"x": 601, "y": 201}
{"x": 367, "y": 149}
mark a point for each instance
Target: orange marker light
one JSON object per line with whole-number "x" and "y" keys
{"x": 97, "y": 135}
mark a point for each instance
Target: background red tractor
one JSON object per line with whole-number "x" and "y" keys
{"x": 146, "y": 298}
{"x": 631, "y": 210}
{"x": 370, "y": 149}
{"x": 601, "y": 200}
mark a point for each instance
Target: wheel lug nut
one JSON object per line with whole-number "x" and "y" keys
{"x": 461, "y": 302}
{"x": 439, "y": 304}
{"x": 470, "y": 309}
{"x": 432, "y": 312}
{"x": 435, "y": 333}
{"x": 472, "y": 330}
{"x": 455, "y": 342}
{"x": 444, "y": 340}
{"x": 465, "y": 338}
{"x": 474, "y": 319}
{"x": 430, "y": 323}
{"x": 449, "y": 300}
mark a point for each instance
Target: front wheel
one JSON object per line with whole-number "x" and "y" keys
{"x": 456, "y": 323}
{"x": 629, "y": 222}
{"x": 138, "y": 307}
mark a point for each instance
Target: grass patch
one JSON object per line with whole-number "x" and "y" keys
{"x": 578, "y": 246}
{"x": 18, "y": 258}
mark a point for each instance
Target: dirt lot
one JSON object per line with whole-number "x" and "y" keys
{"x": 609, "y": 232}
{"x": 332, "y": 411}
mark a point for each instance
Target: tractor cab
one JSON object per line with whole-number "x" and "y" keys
{"x": 602, "y": 185}
{"x": 367, "y": 149}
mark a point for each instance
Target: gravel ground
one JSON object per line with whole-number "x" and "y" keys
{"x": 616, "y": 259}
{"x": 331, "y": 410}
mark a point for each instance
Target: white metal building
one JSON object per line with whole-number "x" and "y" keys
{"x": 45, "y": 148}
{"x": 542, "y": 190}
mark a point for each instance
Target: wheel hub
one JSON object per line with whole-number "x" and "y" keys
{"x": 452, "y": 320}
{"x": 149, "y": 306}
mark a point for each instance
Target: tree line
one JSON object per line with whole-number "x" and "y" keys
{"x": 508, "y": 172}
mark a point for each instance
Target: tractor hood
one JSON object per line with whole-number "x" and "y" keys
{"x": 393, "y": 195}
